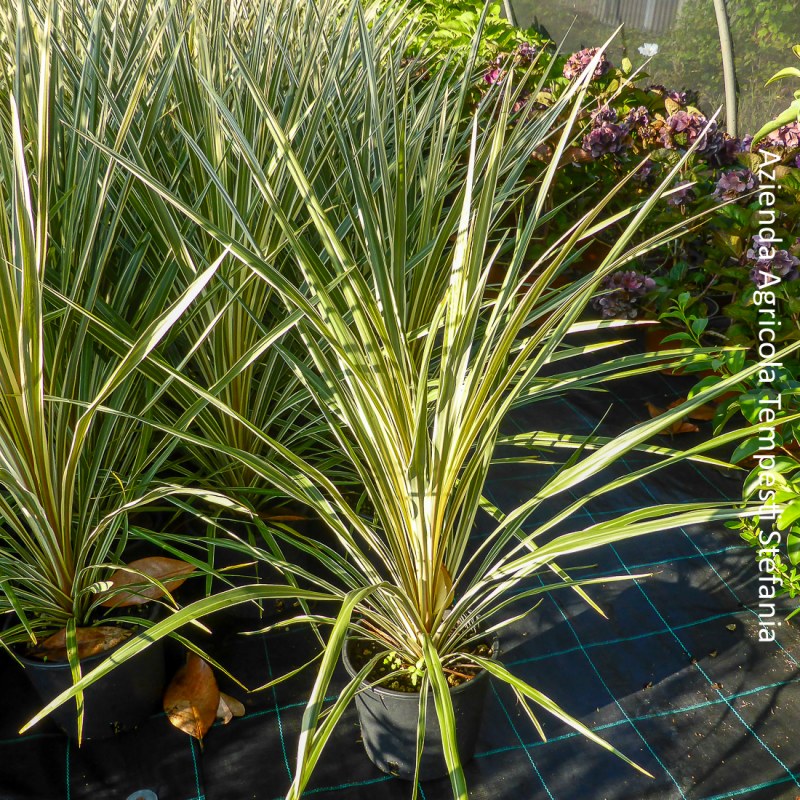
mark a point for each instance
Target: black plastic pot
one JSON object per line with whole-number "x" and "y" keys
{"x": 389, "y": 725}
{"x": 117, "y": 702}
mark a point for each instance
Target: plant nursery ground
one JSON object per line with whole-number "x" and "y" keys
{"x": 676, "y": 678}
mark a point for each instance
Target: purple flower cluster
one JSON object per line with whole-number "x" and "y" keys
{"x": 787, "y": 137}
{"x": 768, "y": 261}
{"x": 495, "y": 72}
{"x": 734, "y": 183}
{"x": 494, "y": 75}
{"x": 608, "y": 137}
{"x": 604, "y": 114}
{"x": 682, "y": 195}
{"x": 644, "y": 172}
{"x": 728, "y": 149}
{"x": 622, "y": 292}
{"x": 683, "y": 129}
{"x": 638, "y": 118}
{"x": 526, "y": 53}
{"x": 579, "y": 61}
{"x": 521, "y": 101}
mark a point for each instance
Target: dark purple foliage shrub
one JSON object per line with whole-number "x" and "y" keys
{"x": 579, "y": 61}
{"x": 787, "y": 137}
{"x": 766, "y": 260}
{"x": 606, "y": 138}
{"x": 604, "y": 114}
{"x": 638, "y": 118}
{"x": 735, "y": 183}
{"x": 526, "y": 53}
{"x": 621, "y": 294}
{"x": 682, "y": 195}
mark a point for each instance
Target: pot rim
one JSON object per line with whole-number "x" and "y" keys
{"x": 481, "y": 676}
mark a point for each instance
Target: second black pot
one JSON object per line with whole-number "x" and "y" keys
{"x": 389, "y": 726}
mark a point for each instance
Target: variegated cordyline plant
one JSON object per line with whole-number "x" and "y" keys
{"x": 415, "y": 356}
{"x": 72, "y": 250}
{"x": 219, "y": 43}
{"x": 217, "y": 341}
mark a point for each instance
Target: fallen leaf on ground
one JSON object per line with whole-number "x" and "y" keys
{"x": 228, "y": 708}
{"x": 705, "y": 413}
{"x": 681, "y": 426}
{"x": 169, "y": 571}
{"x": 192, "y": 698}
{"x": 90, "y": 642}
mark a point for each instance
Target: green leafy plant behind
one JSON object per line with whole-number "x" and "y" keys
{"x": 792, "y": 113}
{"x": 446, "y": 28}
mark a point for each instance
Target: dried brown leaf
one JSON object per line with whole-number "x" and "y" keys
{"x": 169, "y": 571}
{"x": 224, "y": 713}
{"x": 704, "y": 413}
{"x": 680, "y": 426}
{"x": 192, "y": 698}
{"x": 229, "y": 707}
{"x": 90, "y": 642}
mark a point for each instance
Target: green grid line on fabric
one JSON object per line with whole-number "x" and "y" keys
{"x": 536, "y": 769}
